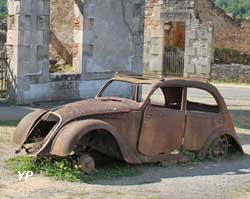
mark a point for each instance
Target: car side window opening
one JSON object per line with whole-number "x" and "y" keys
{"x": 158, "y": 98}
{"x": 120, "y": 89}
{"x": 167, "y": 97}
{"x": 143, "y": 90}
{"x": 201, "y": 100}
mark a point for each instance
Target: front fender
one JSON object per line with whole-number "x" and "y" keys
{"x": 24, "y": 126}
{"x": 69, "y": 135}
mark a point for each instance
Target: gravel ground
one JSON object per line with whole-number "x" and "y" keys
{"x": 202, "y": 180}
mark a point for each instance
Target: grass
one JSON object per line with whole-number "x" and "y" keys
{"x": 60, "y": 170}
{"x": 9, "y": 123}
{"x": 61, "y": 68}
{"x": 7, "y": 127}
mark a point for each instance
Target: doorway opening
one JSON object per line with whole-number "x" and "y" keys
{"x": 174, "y": 48}
{"x": 61, "y": 36}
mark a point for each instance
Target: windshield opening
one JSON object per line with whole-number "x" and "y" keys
{"x": 127, "y": 90}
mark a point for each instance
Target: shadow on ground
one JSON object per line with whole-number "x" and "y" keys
{"x": 153, "y": 174}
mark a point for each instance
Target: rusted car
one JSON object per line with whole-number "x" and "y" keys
{"x": 135, "y": 119}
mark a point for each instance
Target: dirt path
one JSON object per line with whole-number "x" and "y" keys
{"x": 203, "y": 180}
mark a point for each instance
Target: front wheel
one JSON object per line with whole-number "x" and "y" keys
{"x": 86, "y": 163}
{"x": 219, "y": 148}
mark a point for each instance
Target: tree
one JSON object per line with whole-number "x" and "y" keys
{"x": 238, "y": 8}
{"x": 3, "y": 8}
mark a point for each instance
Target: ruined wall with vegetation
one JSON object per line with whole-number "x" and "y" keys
{"x": 228, "y": 32}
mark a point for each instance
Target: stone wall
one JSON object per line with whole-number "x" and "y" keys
{"x": 113, "y": 35}
{"x": 198, "y": 39}
{"x": 231, "y": 73}
{"x": 228, "y": 33}
{"x": 28, "y": 37}
{"x": 107, "y": 36}
{"x": 60, "y": 88}
{"x": 61, "y": 30}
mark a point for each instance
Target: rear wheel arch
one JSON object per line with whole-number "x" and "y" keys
{"x": 232, "y": 138}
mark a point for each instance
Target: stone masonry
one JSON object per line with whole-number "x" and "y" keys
{"x": 228, "y": 33}
{"x": 107, "y": 38}
{"x": 100, "y": 38}
{"x": 198, "y": 43}
{"x": 231, "y": 73}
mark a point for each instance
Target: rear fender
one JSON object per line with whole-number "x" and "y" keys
{"x": 217, "y": 133}
{"x": 72, "y": 133}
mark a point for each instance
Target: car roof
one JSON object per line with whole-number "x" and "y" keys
{"x": 158, "y": 82}
{"x": 166, "y": 80}
{"x": 137, "y": 79}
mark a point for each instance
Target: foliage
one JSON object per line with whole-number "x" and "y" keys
{"x": 192, "y": 156}
{"x": 3, "y": 8}
{"x": 238, "y": 8}
{"x": 230, "y": 56}
{"x": 61, "y": 68}
{"x": 9, "y": 123}
{"x": 60, "y": 169}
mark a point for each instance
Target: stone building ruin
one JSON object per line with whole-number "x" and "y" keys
{"x": 101, "y": 37}
{"x": 104, "y": 37}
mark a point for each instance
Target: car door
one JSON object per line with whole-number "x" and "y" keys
{"x": 163, "y": 123}
{"x": 203, "y": 117}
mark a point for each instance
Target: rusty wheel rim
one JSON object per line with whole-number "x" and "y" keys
{"x": 86, "y": 164}
{"x": 219, "y": 148}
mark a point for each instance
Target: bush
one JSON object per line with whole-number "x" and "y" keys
{"x": 230, "y": 56}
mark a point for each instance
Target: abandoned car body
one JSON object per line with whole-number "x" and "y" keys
{"x": 134, "y": 119}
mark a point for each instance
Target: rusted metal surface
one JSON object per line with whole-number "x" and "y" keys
{"x": 132, "y": 130}
{"x": 162, "y": 130}
{"x": 24, "y": 127}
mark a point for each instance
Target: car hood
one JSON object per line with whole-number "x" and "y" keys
{"x": 94, "y": 107}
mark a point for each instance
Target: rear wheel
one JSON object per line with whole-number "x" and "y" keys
{"x": 219, "y": 148}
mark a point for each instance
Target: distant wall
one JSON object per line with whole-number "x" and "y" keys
{"x": 231, "y": 73}
{"x": 228, "y": 33}
{"x": 198, "y": 38}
